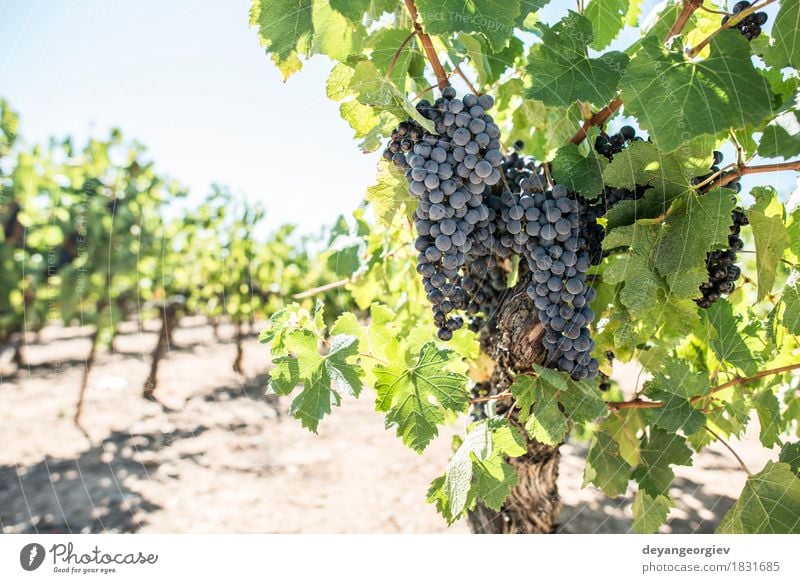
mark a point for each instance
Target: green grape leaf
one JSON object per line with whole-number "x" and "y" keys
{"x": 416, "y": 393}
{"x": 315, "y": 400}
{"x": 790, "y": 454}
{"x": 487, "y": 64}
{"x": 769, "y": 418}
{"x": 641, "y": 163}
{"x": 286, "y": 29}
{"x": 624, "y": 426}
{"x": 583, "y": 174}
{"x": 607, "y": 18}
{"x": 649, "y": 512}
{"x": 791, "y": 300}
{"x": 353, "y": 10}
{"x": 337, "y": 86}
{"x": 694, "y": 226}
{"x": 546, "y": 424}
{"x": 674, "y": 386}
{"x": 494, "y": 480}
{"x": 562, "y": 71}
{"x": 389, "y": 195}
{"x": 786, "y": 33}
{"x": 492, "y": 18}
{"x": 768, "y": 504}
{"x": 335, "y": 35}
{"x": 605, "y": 467}
{"x": 285, "y": 376}
{"x": 726, "y": 341}
{"x": 781, "y": 138}
{"x": 676, "y": 99}
{"x": 771, "y": 238}
{"x": 344, "y": 377}
{"x": 477, "y": 469}
{"x": 659, "y": 450}
{"x": 384, "y": 44}
{"x": 528, "y": 7}
{"x": 372, "y": 88}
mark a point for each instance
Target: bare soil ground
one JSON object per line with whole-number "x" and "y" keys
{"x": 217, "y": 455}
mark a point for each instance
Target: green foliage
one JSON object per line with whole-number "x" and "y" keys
{"x": 705, "y": 365}
{"x": 769, "y": 504}
{"x": 563, "y": 72}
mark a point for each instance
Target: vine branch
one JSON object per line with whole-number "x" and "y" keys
{"x": 641, "y": 404}
{"x": 427, "y": 45}
{"x": 689, "y": 7}
{"x": 315, "y": 290}
{"x": 730, "y": 23}
{"x": 742, "y": 170}
{"x": 597, "y": 119}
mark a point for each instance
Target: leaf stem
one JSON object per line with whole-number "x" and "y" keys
{"x": 373, "y": 357}
{"x": 732, "y": 21}
{"x": 398, "y": 51}
{"x": 640, "y": 404}
{"x": 730, "y": 449}
{"x": 466, "y": 80}
{"x": 441, "y": 77}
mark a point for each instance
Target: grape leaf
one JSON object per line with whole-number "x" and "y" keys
{"x": 667, "y": 175}
{"x": 546, "y": 424}
{"x": 781, "y": 138}
{"x": 768, "y": 504}
{"x": 286, "y": 29}
{"x": 791, "y": 301}
{"x": 390, "y": 194}
{"x": 649, "y": 512}
{"x": 726, "y": 341}
{"x": 487, "y": 64}
{"x": 659, "y": 450}
{"x": 285, "y": 376}
{"x": 344, "y": 377}
{"x": 477, "y": 469}
{"x": 416, "y": 393}
{"x": 528, "y": 7}
{"x": 582, "y": 174}
{"x": 623, "y": 426}
{"x": 771, "y": 238}
{"x": 335, "y": 35}
{"x": 786, "y": 33}
{"x": 384, "y": 44}
{"x": 353, "y": 10}
{"x": 494, "y": 480}
{"x": 769, "y": 418}
{"x": 315, "y": 400}
{"x": 641, "y": 286}
{"x": 607, "y": 18}
{"x": 674, "y": 386}
{"x": 676, "y": 99}
{"x": 790, "y": 454}
{"x": 694, "y": 226}
{"x": 371, "y": 87}
{"x": 494, "y": 19}
{"x": 562, "y": 71}
{"x": 605, "y": 467}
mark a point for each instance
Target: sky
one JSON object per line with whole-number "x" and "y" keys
{"x": 190, "y": 81}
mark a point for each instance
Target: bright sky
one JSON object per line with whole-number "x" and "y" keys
{"x": 189, "y": 81}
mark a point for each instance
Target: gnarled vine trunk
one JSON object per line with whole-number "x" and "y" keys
{"x": 514, "y": 341}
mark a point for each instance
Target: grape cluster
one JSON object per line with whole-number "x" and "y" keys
{"x": 607, "y": 146}
{"x": 450, "y": 171}
{"x": 403, "y": 139}
{"x": 721, "y": 263}
{"x": 751, "y": 25}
